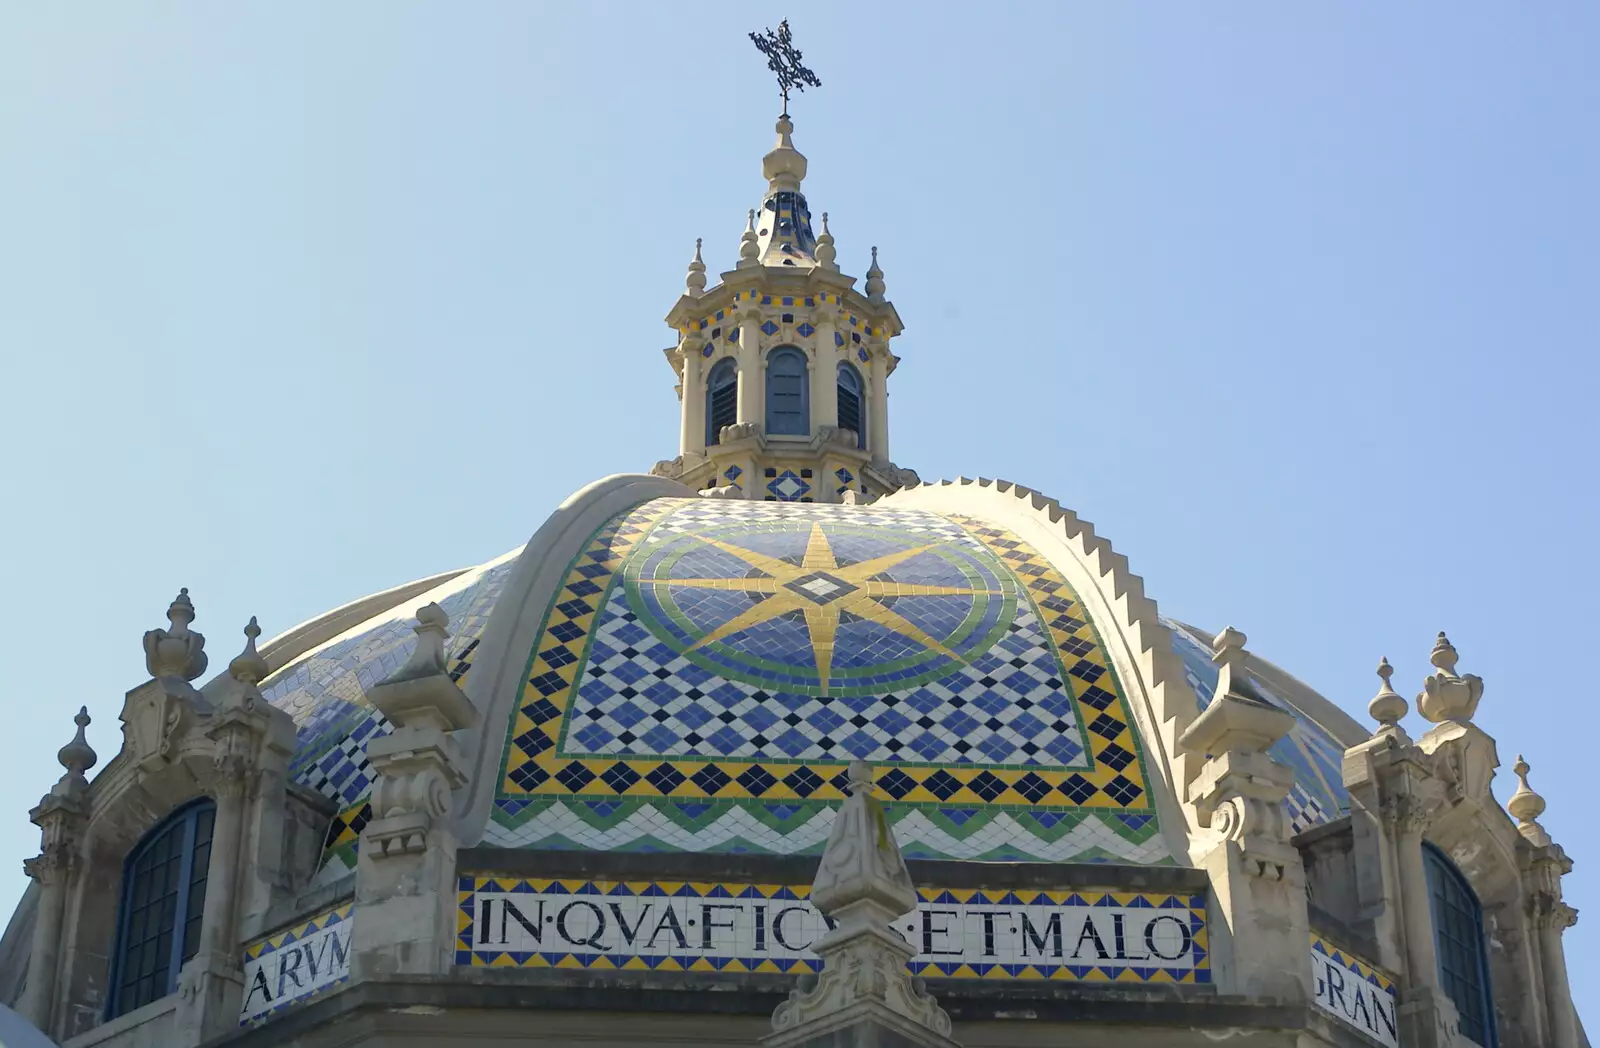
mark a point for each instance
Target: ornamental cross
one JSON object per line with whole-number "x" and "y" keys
{"x": 783, "y": 58}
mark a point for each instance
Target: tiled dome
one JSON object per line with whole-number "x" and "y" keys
{"x": 710, "y": 667}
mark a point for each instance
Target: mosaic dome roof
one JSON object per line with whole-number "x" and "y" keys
{"x": 710, "y": 667}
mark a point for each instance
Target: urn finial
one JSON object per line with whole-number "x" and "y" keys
{"x": 177, "y": 651}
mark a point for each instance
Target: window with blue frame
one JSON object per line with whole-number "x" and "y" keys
{"x": 1459, "y": 942}
{"x": 787, "y": 401}
{"x": 163, "y": 894}
{"x": 722, "y": 400}
{"x": 851, "y": 413}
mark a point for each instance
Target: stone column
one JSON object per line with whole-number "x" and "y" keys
{"x": 1410, "y": 795}
{"x": 211, "y": 984}
{"x": 824, "y": 374}
{"x": 693, "y": 438}
{"x": 1262, "y": 939}
{"x": 1409, "y": 820}
{"x": 752, "y": 382}
{"x": 878, "y": 410}
{"x": 1549, "y": 916}
{"x": 61, "y": 816}
{"x": 406, "y": 868}
{"x": 864, "y": 996}
{"x": 1550, "y": 923}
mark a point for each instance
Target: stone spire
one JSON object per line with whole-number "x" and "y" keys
{"x": 695, "y": 282}
{"x": 826, "y": 252}
{"x": 874, "y": 285}
{"x": 1526, "y": 806}
{"x": 1446, "y": 695}
{"x": 179, "y": 651}
{"x": 784, "y": 236}
{"x": 862, "y": 885}
{"x": 749, "y": 249}
{"x": 1388, "y": 707}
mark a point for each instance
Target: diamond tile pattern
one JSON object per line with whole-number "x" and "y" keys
{"x": 676, "y": 698}
{"x": 788, "y": 487}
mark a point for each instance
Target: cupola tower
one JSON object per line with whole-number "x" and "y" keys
{"x": 783, "y": 365}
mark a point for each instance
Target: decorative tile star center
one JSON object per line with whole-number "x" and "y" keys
{"x": 822, "y": 590}
{"x": 822, "y": 587}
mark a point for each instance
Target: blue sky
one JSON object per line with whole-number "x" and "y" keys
{"x": 1295, "y": 302}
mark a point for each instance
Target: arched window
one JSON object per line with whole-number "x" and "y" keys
{"x": 163, "y": 894}
{"x": 722, "y": 400}
{"x": 851, "y": 412}
{"x": 1458, "y": 940}
{"x": 787, "y": 407}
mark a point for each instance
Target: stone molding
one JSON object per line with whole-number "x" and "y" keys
{"x": 495, "y": 684}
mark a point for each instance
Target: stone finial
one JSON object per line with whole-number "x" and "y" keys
{"x": 874, "y": 285}
{"x": 749, "y": 249}
{"x": 826, "y": 253}
{"x": 427, "y": 658}
{"x": 1227, "y": 647}
{"x": 862, "y": 885}
{"x": 695, "y": 282}
{"x": 1443, "y": 656}
{"x": 1526, "y": 806}
{"x": 1446, "y": 695}
{"x": 78, "y": 756}
{"x": 177, "y": 651}
{"x": 1388, "y": 706}
{"x": 248, "y": 667}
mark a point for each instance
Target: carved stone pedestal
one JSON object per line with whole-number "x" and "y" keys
{"x": 406, "y": 868}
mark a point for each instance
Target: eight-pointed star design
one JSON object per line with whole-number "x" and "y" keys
{"x": 823, "y": 590}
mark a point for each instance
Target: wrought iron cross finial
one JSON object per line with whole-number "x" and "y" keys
{"x": 783, "y": 58}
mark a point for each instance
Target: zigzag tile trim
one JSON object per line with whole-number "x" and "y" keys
{"x": 996, "y": 837}
{"x": 296, "y": 964}
{"x": 1354, "y": 992}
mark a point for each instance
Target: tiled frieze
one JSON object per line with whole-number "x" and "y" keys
{"x": 710, "y": 667}
{"x": 1358, "y": 994}
{"x": 296, "y": 964}
{"x": 680, "y": 926}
